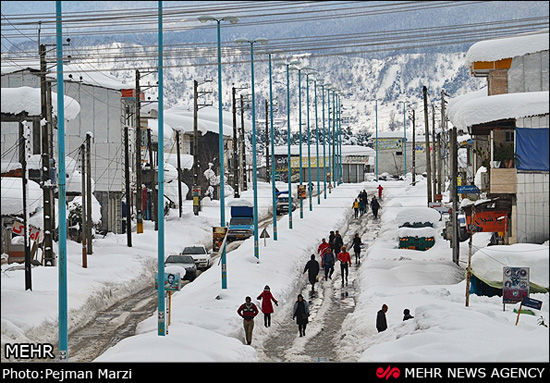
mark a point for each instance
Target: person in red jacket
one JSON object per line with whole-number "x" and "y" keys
{"x": 345, "y": 262}
{"x": 322, "y": 247}
{"x": 248, "y": 311}
{"x": 267, "y": 307}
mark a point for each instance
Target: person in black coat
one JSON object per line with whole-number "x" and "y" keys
{"x": 407, "y": 314}
{"x": 357, "y": 248}
{"x": 338, "y": 242}
{"x": 301, "y": 314}
{"x": 374, "y": 205}
{"x": 312, "y": 267}
{"x": 381, "y": 323}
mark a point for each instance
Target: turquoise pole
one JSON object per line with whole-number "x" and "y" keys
{"x": 288, "y": 143}
{"x": 317, "y": 146}
{"x": 62, "y": 193}
{"x": 273, "y": 192}
{"x": 160, "y": 164}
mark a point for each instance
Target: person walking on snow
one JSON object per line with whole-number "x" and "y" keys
{"x": 328, "y": 263}
{"x": 345, "y": 262}
{"x": 301, "y": 314}
{"x": 248, "y": 311}
{"x": 374, "y": 205}
{"x": 312, "y": 267}
{"x": 267, "y": 307}
{"x": 380, "y": 188}
{"x": 357, "y": 248}
{"x": 322, "y": 247}
{"x": 338, "y": 242}
{"x": 356, "y": 207}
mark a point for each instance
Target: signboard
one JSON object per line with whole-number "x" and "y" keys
{"x": 218, "y": 235}
{"x": 532, "y": 303}
{"x": 467, "y": 189}
{"x": 301, "y": 191}
{"x": 34, "y": 233}
{"x": 488, "y": 221}
{"x": 515, "y": 284}
{"x": 264, "y": 234}
{"x": 172, "y": 282}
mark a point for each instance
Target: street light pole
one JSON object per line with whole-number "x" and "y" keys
{"x": 273, "y": 188}
{"x": 317, "y": 146}
{"x": 232, "y": 20}
{"x": 287, "y": 65}
{"x": 254, "y": 165}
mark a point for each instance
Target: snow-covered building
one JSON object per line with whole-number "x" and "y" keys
{"x": 393, "y": 159}
{"x": 509, "y": 121}
{"x": 102, "y": 113}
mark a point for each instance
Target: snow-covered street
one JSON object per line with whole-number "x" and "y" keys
{"x": 205, "y": 326}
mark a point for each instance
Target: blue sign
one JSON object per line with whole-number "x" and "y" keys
{"x": 533, "y": 303}
{"x": 467, "y": 189}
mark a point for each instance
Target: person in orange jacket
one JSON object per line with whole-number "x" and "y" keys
{"x": 345, "y": 262}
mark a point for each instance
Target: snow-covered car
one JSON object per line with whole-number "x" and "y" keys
{"x": 182, "y": 262}
{"x": 199, "y": 254}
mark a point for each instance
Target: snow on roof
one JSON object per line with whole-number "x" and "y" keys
{"x": 12, "y": 197}
{"x": 508, "y": 47}
{"x": 17, "y": 100}
{"x": 181, "y": 118}
{"x": 79, "y": 73}
{"x": 488, "y": 262}
{"x": 478, "y": 108}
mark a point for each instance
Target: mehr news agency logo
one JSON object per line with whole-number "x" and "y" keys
{"x": 506, "y": 372}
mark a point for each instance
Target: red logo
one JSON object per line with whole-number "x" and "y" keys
{"x": 388, "y": 372}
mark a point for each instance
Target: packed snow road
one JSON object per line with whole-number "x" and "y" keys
{"x": 330, "y": 303}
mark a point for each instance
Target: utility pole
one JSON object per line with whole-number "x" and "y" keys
{"x": 414, "y": 148}
{"x": 235, "y": 145}
{"x": 47, "y": 184}
{"x": 196, "y": 165}
{"x": 434, "y": 165}
{"x": 454, "y": 191}
{"x": 89, "y": 192}
{"x": 128, "y": 190}
{"x": 154, "y": 210}
{"x": 243, "y": 148}
{"x": 26, "y": 156}
{"x": 427, "y": 135}
{"x": 139, "y": 180}
{"x": 83, "y": 194}
{"x": 441, "y": 165}
{"x": 180, "y": 199}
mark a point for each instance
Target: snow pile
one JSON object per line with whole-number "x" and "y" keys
{"x": 487, "y": 263}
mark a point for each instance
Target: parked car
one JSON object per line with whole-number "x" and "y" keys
{"x": 199, "y": 254}
{"x": 185, "y": 262}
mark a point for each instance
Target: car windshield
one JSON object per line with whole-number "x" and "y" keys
{"x": 194, "y": 250}
{"x": 180, "y": 259}
{"x": 240, "y": 221}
